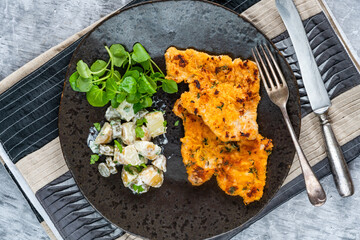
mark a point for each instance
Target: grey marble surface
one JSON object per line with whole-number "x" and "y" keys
{"x": 30, "y": 27}
{"x": 16, "y": 217}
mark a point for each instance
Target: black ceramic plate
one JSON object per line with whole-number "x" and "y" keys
{"x": 177, "y": 209}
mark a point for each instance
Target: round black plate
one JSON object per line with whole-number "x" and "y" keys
{"x": 178, "y": 209}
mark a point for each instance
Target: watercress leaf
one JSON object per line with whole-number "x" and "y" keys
{"x": 133, "y": 98}
{"x": 137, "y": 107}
{"x": 119, "y": 54}
{"x": 137, "y": 68}
{"x": 114, "y": 103}
{"x": 133, "y": 73}
{"x": 139, "y": 132}
{"x": 129, "y": 85}
{"x": 152, "y": 82}
{"x": 84, "y": 84}
{"x": 94, "y": 158}
{"x": 83, "y": 69}
{"x": 98, "y": 68}
{"x": 146, "y": 65}
{"x": 139, "y": 53}
{"x": 118, "y": 50}
{"x": 117, "y": 75}
{"x": 157, "y": 75}
{"x": 72, "y": 81}
{"x": 119, "y": 146}
{"x": 97, "y": 97}
{"x": 120, "y": 97}
{"x": 111, "y": 88}
{"x": 97, "y": 126}
{"x": 145, "y": 86}
{"x": 169, "y": 86}
{"x": 176, "y": 123}
{"x": 146, "y": 102}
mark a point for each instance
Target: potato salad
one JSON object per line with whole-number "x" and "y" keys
{"x": 123, "y": 143}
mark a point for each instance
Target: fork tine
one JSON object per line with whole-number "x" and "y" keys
{"x": 276, "y": 66}
{"x": 260, "y": 70}
{"x": 271, "y": 66}
{"x": 265, "y": 69}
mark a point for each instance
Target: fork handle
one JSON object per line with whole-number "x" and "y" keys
{"x": 336, "y": 158}
{"x": 314, "y": 189}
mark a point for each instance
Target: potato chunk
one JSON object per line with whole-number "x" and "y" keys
{"x": 130, "y": 156}
{"x": 116, "y": 128}
{"x": 160, "y": 162}
{"x": 128, "y": 134}
{"x": 155, "y": 123}
{"x": 128, "y": 176}
{"x": 118, "y": 156}
{"x": 152, "y": 176}
{"x": 147, "y": 149}
{"x": 105, "y": 134}
{"x": 104, "y": 170}
{"x": 112, "y": 114}
{"x": 106, "y": 150}
{"x": 126, "y": 111}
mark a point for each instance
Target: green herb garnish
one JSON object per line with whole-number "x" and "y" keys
{"x": 232, "y": 189}
{"x": 139, "y": 132}
{"x": 118, "y": 145}
{"x": 103, "y": 82}
{"x": 165, "y": 123}
{"x": 127, "y": 168}
{"x": 176, "y": 123}
{"x": 140, "y": 122}
{"x": 97, "y": 126}
{"x": 221, "y": 106}
{"x": 94, "y": 158}
{"x": 139, "y": 168}
{"x": 137, "y": 188}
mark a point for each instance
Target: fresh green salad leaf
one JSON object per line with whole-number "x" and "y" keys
{"x": 119, "y": 54}
{"x": 139, "y": 54}
{"x": 103, "y": 82}
{"x": 72, "y": 81}
{"x": 97, "y": 97}
{"x": 83, "y": 69}
{"x": 169, "y": 86}
{"x": 98, "y": 68}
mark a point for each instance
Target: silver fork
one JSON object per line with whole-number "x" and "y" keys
{"x": 279, "y": 93}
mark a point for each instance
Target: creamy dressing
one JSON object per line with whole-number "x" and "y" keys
{"x": 91, "y": 140}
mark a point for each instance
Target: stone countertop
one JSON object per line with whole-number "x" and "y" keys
{"x": 30, "y": 27}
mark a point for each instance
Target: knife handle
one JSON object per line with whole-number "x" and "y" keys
{"x": 336, "y": 158}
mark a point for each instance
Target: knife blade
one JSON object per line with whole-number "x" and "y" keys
{"x": 316, "y": 92}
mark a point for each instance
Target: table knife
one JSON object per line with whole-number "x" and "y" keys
{"x": 317, "y": 94}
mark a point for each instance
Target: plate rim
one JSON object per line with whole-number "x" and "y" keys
{"x": 131, "y": 6}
